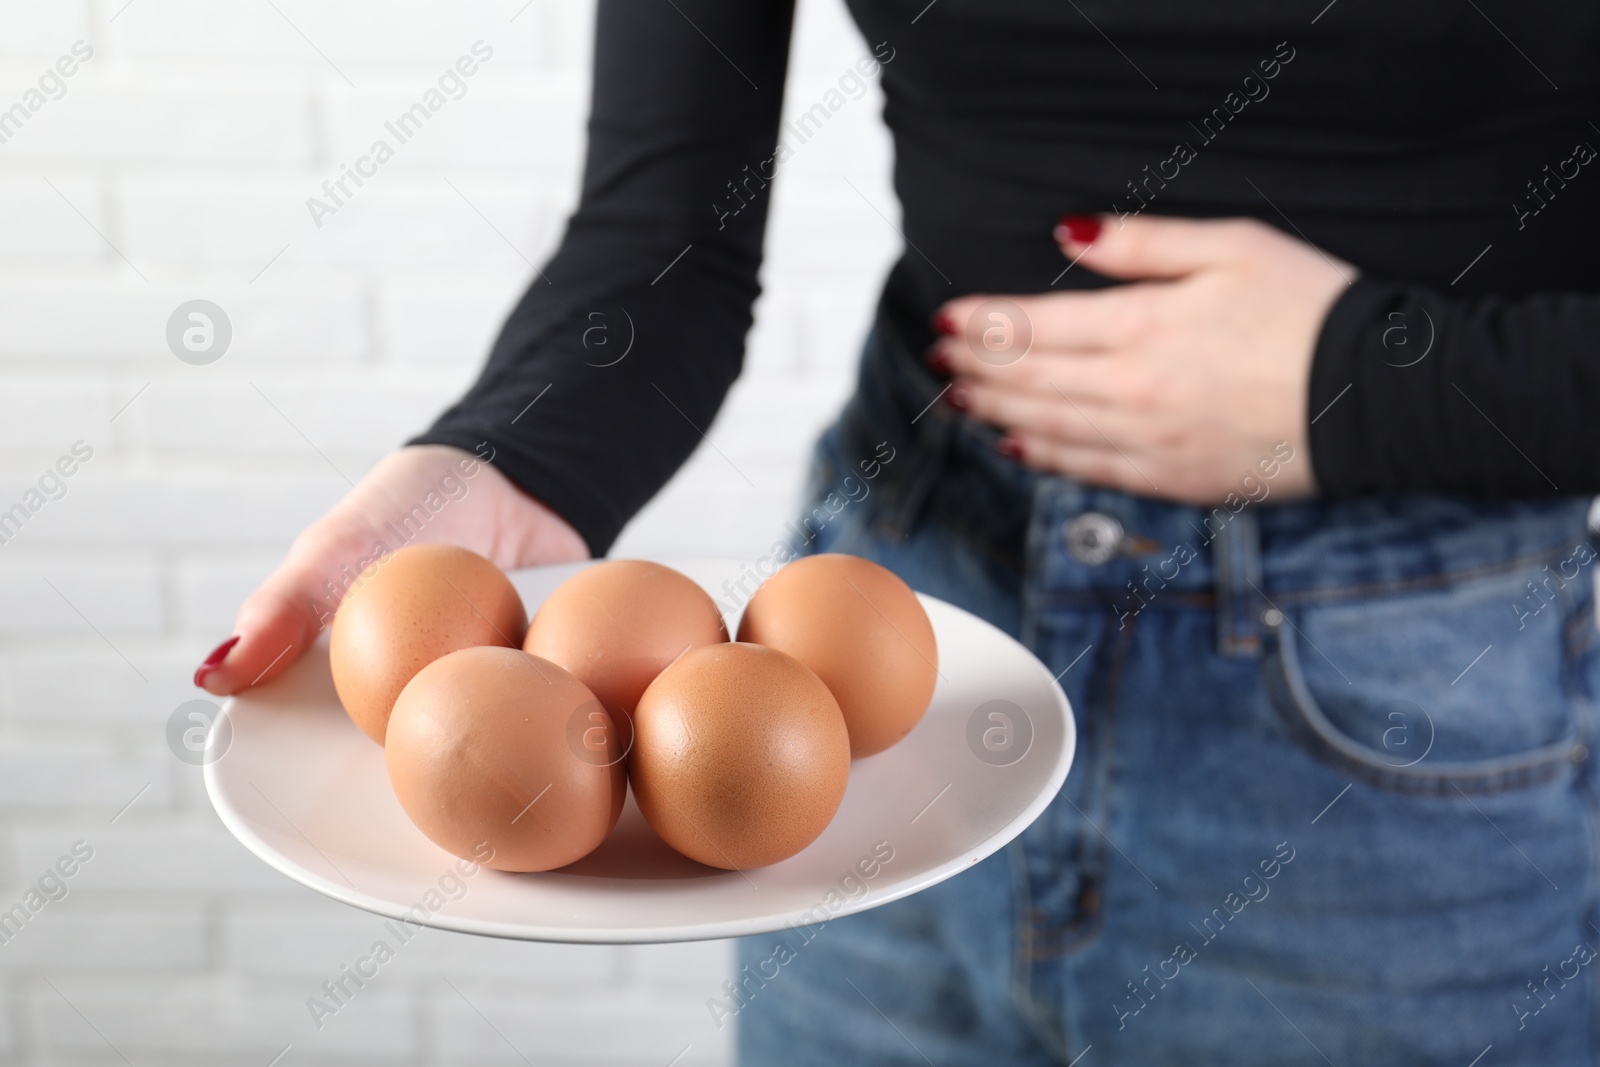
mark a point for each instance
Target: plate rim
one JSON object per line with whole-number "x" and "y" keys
{"x": 677, "y": 933}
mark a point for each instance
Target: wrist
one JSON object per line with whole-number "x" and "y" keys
{"x": 543, "y": 534}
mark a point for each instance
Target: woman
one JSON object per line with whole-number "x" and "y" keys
{"x": 1275, "y": 448}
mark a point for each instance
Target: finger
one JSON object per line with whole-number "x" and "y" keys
{"x": 281, "y": 619}
{"x": 1050, "y": 413}
{"x": 1100, "y": 465}
{"x": 1000, "y": 330}
{"x": 1097, "y": 380}
{"x": 1150, "y": 246}
{"x": 272, "y": 633}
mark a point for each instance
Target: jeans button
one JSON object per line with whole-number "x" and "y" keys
{"x": 1093, "y": 538}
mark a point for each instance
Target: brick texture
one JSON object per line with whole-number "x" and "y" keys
{"x": 175, "y": 165}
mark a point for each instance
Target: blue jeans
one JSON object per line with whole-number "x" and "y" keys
{"x": 1333, "y": 800}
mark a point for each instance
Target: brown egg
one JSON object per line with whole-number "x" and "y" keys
{"x": 617, "y": 624}
{"x": 405, "y": 611}
{"x": 862, "y": 631}
{"x": 484, "y": 754}
{"x": 740, "y": 757}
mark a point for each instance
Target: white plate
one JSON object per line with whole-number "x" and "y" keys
{"x": 307, "y": 792}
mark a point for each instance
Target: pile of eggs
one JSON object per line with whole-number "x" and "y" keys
{"x": 526, "y": 735}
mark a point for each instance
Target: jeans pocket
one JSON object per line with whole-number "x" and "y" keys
{"x": 1468, "y": 686}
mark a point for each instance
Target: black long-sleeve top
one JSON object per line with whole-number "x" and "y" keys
{"x": 1447, "y": 148}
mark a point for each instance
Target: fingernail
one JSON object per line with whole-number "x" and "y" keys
{"x": 213, "y": 661}
{"x": 938, "y": 360}
{"x": 958, "y": 397}
{"x": 945, "y": 323}
{"x": 1009, "y": 447}
{"x": 1078, "y": 229}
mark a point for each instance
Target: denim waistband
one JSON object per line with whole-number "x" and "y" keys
{"x": 1291, "y": 551}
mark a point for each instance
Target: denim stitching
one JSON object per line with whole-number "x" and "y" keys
{"x": 1309, "y": 597}
{"x": 1088, "y": 917}
{"x": 1280, "y": 672}
{"x": 1045, "y": 1024}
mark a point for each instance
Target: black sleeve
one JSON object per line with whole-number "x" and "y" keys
{"x": 1413, "y": 390}
{"x": 659, "y": 262}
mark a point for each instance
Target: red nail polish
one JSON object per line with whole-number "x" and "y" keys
{"x": 945, "y": 323}
{"x": 213, "y": 661}
{"x": 1009, "y": 447}
{"x": 958, "y": 397}
{"x": 938, "y": 360}
{"x": 1079, "y": 229}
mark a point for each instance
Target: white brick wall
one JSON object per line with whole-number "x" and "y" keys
{"x": 175, "y": 167}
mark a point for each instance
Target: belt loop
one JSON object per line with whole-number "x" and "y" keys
{"x": 1236, "y": 569}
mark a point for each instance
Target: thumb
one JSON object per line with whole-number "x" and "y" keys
{"x": 1139, "y": 246}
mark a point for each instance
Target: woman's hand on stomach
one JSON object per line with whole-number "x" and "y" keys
{"x": 1173, "y": 385}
